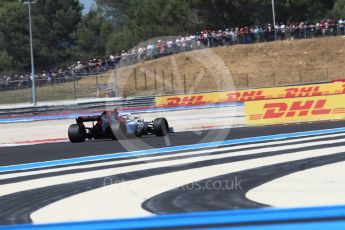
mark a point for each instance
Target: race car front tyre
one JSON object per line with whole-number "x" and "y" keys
{"x": 140, "y": 129}
{"x": 119, "y": 131}
{"x": 76, "y": 134}
{"x": 160, "y": 126}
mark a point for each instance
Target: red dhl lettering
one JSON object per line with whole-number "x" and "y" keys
{"x": 233, "y": 97}
{"x": 275, "y": 110}
{"x": 245, "y": 96}
{"x": 343, "y": 86}
{"x": 298, "y": 108}
{"x": 185, "y": 101}
{"x": 252, "y": 95}
{"x": 173, "y": 101}
{"x": 303, "y": 92}
{"x": 301, "y": 108}
{"x": 319, "y": 108}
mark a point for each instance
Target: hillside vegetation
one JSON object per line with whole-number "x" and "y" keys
{"x": 116, "y": 25}
{"x": 250, "y": 66}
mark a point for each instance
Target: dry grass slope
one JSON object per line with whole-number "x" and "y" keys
{"x": 251, "y": 66}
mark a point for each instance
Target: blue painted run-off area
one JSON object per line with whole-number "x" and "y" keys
{"x": 128, "y": 110}
{"x": 330, "y": 218}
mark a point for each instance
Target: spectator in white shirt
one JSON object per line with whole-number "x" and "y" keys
{"x": 341, "y": 26}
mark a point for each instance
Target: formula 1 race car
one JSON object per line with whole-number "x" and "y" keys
{"x": 112, "y": 125}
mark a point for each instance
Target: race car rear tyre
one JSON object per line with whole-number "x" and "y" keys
{"x": 76, "y": 134}
{"x": 119, "y": 131}
{"x": 160, "y": 126}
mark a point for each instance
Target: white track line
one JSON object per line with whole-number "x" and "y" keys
{"x": 55, "y": 180}
{"x": 125, "y": 199}
{"x": 107, "y": 163}
{"x": 320, "y": 186}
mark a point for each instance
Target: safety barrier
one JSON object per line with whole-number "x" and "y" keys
{"x": 295, "y": 110}
{"x": 200, "y": 99}
{"x": 75, "y": 106}
{"x": 251, "y": 95}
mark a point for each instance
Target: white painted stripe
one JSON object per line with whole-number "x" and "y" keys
{"x": 8, "y": 145}
{"x": 259, "y": 144}
{"x": 125, "y": 199}
{"x": 323, "y": 185}
{"x": 43, "y": 182}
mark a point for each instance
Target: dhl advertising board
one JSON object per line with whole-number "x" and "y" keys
{"x": 280, "y": 111}
{"x": 251, "y": 95}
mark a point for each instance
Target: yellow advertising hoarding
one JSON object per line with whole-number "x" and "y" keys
{"x": 280, "y": 111}
{"x": 251, "y": 95}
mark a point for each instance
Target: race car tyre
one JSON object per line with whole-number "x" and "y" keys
{"x": 119, "y": 131}
{"x": 140, "y": 130}
{"x": 160, "y": 126}
{"x": 76, "y": 134}
{"x": 138, "y": 133}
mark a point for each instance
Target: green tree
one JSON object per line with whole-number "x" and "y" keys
{"x": 149, "y": 18}
{"x": 338, "y": 10}
{"x": 54, "y": 23}
{"x": 14, "y": 34}
{"x": 303, "y": 10}
{"x": 125, "y": 39}
{"x": 61, "y": 33}
{"x": 92, "y": 34}
{"x": 117, "y": 11}
{"x": 226, "y": 13}
{"x": 6, "y": 2}
{"x": 6, "y": 61}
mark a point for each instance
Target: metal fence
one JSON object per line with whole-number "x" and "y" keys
{"x": 161, "y": 82}
{"x": 156, "y": 82}
{"x": 59, "y": 88}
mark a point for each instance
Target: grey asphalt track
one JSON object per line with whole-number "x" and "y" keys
{"x": 47, "y": 152}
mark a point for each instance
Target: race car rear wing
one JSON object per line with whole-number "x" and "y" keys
{"x": 87, "y": 119}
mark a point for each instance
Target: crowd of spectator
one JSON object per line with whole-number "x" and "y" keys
{"x": 70, "y": 73}
{"x": 207, "y": 38}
